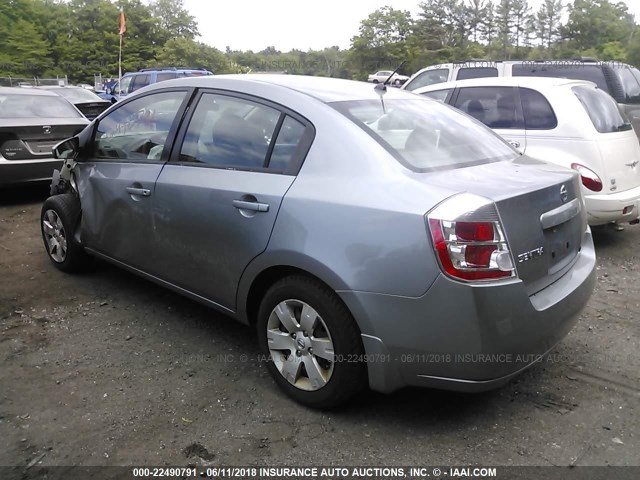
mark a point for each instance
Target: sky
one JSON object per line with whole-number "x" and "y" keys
{"x": 302, "y": 24}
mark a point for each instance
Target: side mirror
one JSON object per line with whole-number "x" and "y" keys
{"x": 67, "y": 149}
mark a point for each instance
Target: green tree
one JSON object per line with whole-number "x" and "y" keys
{"x": 173, "y": 20}
{"x": 593, "y": 23}
{"x": 29, "y": 48}
{"x": 504, "y": 24}
{"x": 381, "y": 41}
{"x": 548, "y": 22}
{"x": 183, "y": 51}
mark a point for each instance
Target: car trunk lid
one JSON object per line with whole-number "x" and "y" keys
{"x": 34, "y": 140}
{"x": 541, "y": 210}
{"x": 620, "y": 154}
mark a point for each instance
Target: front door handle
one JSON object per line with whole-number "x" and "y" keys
{"x": 253, "y": 206}
{"x": 142, "y": 192}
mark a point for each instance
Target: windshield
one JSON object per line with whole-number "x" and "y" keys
{"x": 77, "y": 95}
{"x": 36, "y": 106}
{"x": 425, "y": 135}
{"x": 602, "y": 109}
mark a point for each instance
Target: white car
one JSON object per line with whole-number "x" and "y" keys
{"x": 567, "y": 122}
{"x": 383, "y": 75}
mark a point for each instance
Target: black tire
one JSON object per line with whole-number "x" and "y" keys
{"x": 66, "y": 207}
{"x": 348, "y": 375}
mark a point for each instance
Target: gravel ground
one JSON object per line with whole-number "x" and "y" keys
{"x": 108, "y": 369}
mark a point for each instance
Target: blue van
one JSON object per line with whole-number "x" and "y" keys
{"x": 136, "y": 80}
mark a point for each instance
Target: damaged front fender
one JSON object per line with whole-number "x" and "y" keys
{"x": 63, "y": 180}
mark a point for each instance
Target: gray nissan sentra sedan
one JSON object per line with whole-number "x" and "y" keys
{"x": 371, "y": 236}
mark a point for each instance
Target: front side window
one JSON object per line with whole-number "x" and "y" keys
{"x": 137, "y": 131}
{"x": 602, "y": 109}
{"x": 538, "y": 114}
{"x": 477, "y": 72}
{"x": 630, "y": 84}
{"x": 229, "y": 132}
{"x": 139, "y": 81}
{"x": 426, "y": 136}
{"x": 125, "y": 84}
{"x": 496, "y": 107}
{"x": 440, "y": 95}
{"x": 428, "y": 77}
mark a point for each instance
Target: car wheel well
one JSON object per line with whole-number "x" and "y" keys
{"x": 265, "y": 279}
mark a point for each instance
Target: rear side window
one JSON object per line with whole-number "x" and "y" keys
{"x": 229, "y": 132}
{"x": 477, "y": 72}
{"x": 287, "y": 143}
{"x": 576, "y": 71}
{"x": 630, "y": 84}
{"x": 538, "y": 114}
{"x": 428, "y": 77}
{"x": 496, "y": 107}
{"x": 161, "y": 77}
{"x": 602, "y": 109}
{"x": 440, "y": 95}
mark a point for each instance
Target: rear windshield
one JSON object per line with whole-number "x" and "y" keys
{"x": 36, "y": 106}
{"x": 602, "y": 109}
{"x": 425, "y": 135}
{"x": 77, "y": 95}
{"x": 576, "y": 71}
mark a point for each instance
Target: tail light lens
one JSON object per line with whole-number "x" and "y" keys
{"x": 469, "y": 240}
{"x": 590, "y": 179}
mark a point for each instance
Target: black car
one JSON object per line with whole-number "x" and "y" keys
{"x": 90, "y": 104}
{"x": 32, "y": 122}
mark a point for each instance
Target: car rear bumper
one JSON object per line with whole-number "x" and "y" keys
{"x": 607, "y": 208}
{"x": 468, "y": 338}
{"x": 14, "y": 172}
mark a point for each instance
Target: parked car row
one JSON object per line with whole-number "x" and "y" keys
{"x": 619, "y": 80}
{"x": 361, "y": 230}
{"x": 571, "y": 123}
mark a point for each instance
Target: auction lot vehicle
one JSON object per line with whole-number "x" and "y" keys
{"x": 89, "y": 104}
{"x": 32, "y": 122}
{"x": 383, "y": 75}
{"x": 568, "y": 122}
{"x": 391, "y": 243}
{"x": 619, "y": 80}
{"x": 148, "y": 76}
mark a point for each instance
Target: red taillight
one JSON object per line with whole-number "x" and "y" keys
{"x": 590, "y": 179}
{"x": 474, "y": 231}
{"x": 469, "y": 250}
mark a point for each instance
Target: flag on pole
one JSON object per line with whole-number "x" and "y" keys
{"x": 123, "y": 22}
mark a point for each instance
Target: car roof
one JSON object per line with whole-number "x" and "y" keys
{"x": 530, "y": 82}
{"x": 26, "y": 91}
{"x": 56, "y": 87}
{"x": 322, "y": 88}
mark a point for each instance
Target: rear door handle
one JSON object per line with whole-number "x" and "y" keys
{"x": 142, "y": 192}
{"x": 254, "y": 206}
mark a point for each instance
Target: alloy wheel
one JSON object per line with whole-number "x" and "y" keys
{"x": 300, "y": 345}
